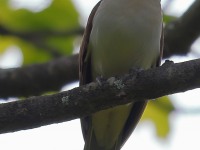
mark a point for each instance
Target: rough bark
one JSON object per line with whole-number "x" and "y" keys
{"x": 39, "y": 78}
{"x": 138, "y": 85}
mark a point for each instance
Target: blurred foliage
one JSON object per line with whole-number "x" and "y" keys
{"x": 61, "y": 16}
{"x": 158, "y": 112}
{"x": 30, "y": 53}
{"x": 168, "y": 18}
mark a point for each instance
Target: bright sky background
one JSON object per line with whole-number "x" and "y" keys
{"x": 185, "y": 126}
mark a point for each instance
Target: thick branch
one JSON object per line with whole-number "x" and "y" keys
{"x": 139, "y": 85}
{"x": 37, "y": 79}
{"x": 180, "y": 34}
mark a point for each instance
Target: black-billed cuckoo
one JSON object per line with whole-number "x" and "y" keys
{"x": 120, "y": 35}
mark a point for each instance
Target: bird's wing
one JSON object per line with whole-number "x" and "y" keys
{"x": 85, "y": 74}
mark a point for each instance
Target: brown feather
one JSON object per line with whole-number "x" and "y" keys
{"x": 85, "y": 65}
{"x": 85, "y": 74}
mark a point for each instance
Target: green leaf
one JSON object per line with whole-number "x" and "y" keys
{"x": 168, "y": 18}
{"x": 158, "y": 112}
{"x": 63, "y": 44}
{"x": 59, "y": 16}
{"x": 31, "y": 54}
{"x": 5, "y": 42}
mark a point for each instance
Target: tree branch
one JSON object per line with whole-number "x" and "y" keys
{"x": 139, "y": 85}
{"x": 181, "y": 33}
{"x": 41, "y": 34}
{"x": 37, "y": 79}
{"x": 38, "y": 37}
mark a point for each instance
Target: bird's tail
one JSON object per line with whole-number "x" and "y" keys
{"x": 92, "y": 144}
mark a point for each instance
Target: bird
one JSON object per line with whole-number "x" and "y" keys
{"x": 119, "y": 35}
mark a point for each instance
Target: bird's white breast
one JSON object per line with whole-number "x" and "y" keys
{"x": 125, "y": 34}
